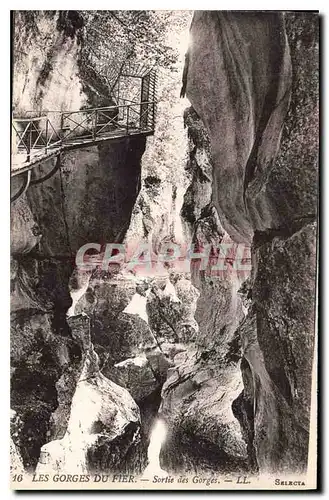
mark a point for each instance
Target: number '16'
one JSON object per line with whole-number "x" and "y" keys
{"x": 18, "y": 477}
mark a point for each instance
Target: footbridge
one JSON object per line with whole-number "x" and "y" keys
{"x": 36, "y": 138}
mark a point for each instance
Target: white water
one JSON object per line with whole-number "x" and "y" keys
{"x": 157, "y": 438}
{"x": 77, "y": 294}
{"x": 137, "y": 306}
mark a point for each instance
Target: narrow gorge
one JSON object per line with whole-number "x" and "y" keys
{"x": 195, "y": 354}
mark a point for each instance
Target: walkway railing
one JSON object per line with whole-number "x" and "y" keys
{"x": 37, "y": 137}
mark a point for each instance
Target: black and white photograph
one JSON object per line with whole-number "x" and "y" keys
{"x": 164, "y": 205}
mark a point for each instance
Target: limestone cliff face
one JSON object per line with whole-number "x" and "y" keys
{"x": 199, "y": 393}
{"x": 89, "y": 199}
{"x": 252, "y": 80}
{"x": 243, "y": 109}
{"x": 49, "y": 71}
{"x": 46, "y": 53}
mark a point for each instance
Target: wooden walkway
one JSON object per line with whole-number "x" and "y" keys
{"x": 36, "y": 139}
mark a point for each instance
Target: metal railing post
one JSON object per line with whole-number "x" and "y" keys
{"x": 62, "y": 128}
{"x": 128, "y": 119}
{"x": 153, "y": 116}
{"x": 46, "y": 148}
{"x": 95, "y": 126}
{"x": 29, "y": 145}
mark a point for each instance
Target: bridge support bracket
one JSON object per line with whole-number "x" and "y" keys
{"x": 23, "y": 188}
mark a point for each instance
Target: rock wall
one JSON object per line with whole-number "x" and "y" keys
{"x": 252, "y": 79}
{"x": 89, "y": 199}
{"x": 51, "y": 72}
{"x": 197, "y": 397}
{"x": 46, "y": 54}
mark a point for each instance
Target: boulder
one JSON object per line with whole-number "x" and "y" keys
{"x": 203, "y": 433}
{"x": 103, "y": 422}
